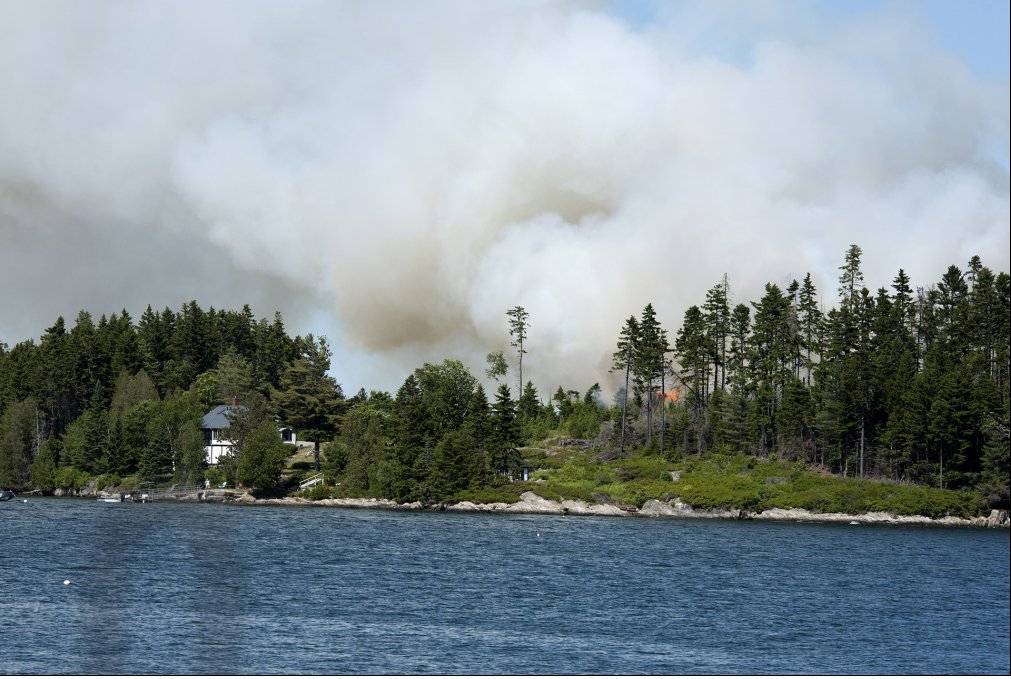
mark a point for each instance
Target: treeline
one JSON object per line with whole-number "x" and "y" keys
{"x": 441, "y": 434}
{"x": 899, "y": 383}
{"x": 905, "y": 384}
{"x": 121, "y": 398}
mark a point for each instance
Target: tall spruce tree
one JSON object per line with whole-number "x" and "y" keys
{"x": 623, "y": 361}
{"x": 717, "y": 318}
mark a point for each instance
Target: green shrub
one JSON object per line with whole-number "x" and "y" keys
{"x": 216, "y": 475}
{"x": 130, "y": 483}
{"x": 318, "y": 492}
{"x": 71, "y": 478}
{"x": 108, "y": 481}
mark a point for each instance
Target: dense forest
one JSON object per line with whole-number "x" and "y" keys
{"x": 904, "y": 384}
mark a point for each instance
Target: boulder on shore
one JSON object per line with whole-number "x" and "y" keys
{"x": 531, "y": 503}
{"x": 998, "y": 519}
{"x": 678, "y": 509}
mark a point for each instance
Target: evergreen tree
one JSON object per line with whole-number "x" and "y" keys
{"x": 717, "y": 322}
{"x": 692, "y": 349}
{"x": 358, "y": 455}
{"x": 809, "y": 318}
{"x": 623, "y": 361}
{"x": 84, "y": 442}
{"x": 192, "y": 455}
{"x": 156, "y": 459}
{"x": 851, "y": 280}
{"x": 413, "y": 431}
{"x": 996, "y": 476}
{"x": 134, "y": 425}
{"x": 55, "y": 386}
{"x": 505, "y": 432}
{"x": 528, "y": 406}
{"x": 771, "y": 358}
{"x": 152, "y": 342}
{"x": 648, "y": 361}
{"x": 43, "y": 468}
{"x": 19, "y": 443}
{"x": 455, "y": 464}
{"x": 310, "y": 400}
{"x": 740, "y": 332}
{"x": 518, "y": 325}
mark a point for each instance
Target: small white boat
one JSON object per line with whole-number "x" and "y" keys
{"x": 6, "y": 495}
{"x": 111, "y": 498}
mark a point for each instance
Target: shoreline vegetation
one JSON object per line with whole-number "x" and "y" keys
{"x": 573, "y": 481}
{"x": 894, "y": 403}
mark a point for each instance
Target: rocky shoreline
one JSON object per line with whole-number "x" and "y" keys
{"x": 531, "y": 503}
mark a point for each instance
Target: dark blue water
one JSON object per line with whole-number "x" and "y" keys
{"x": 187, "y": 588}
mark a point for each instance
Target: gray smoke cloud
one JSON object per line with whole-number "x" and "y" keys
{"x": 398, "y": 174}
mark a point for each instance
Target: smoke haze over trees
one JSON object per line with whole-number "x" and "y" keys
{"x": 394, "y": 176}
{"x": 909, "y": 384}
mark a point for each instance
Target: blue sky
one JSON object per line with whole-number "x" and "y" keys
{"x": 977, "y": 30}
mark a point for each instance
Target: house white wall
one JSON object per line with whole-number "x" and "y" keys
{"x": 217, "y": 448}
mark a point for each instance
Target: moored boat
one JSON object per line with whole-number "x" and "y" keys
{"x": 6, "y": 495}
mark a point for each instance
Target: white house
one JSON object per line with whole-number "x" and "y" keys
{"x": 216, "y": 421}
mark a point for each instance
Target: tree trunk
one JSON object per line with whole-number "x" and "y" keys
{"x": 861, "y": 446}
{"x": 624, "y": 406}
{"x": 315, "y": 454}
{"x": 649, "y": 412}
{"x": 663, "y": 409}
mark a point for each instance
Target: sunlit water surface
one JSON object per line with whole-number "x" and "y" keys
{"x": 209, "y": 589}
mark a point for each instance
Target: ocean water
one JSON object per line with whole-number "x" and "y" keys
{"x": 211, "y": 589}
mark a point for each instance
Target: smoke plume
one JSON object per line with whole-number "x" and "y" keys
{"x": 405, "y": 172}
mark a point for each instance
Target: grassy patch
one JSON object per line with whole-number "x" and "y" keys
{"x": 745, "y": 482}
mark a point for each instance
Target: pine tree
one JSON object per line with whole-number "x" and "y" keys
{"x": 648, "y": 361}
{"x": 518, "y": 325}
{"x": 691, "y": 348}
{"x": 809, "y": 318}
{"x": 851, "y": 279}
{"x": 19, "y": 443}
{"x": 413, "y": 434}
{"x": 156, "y": 460}
{"x": 717, "y": 308}
{"x": 623, "y": 361}
{"x": 54, "y": 382}
{"x": 505, "y": 432}
{"x": 771, "y": 358}
{"x": 308, "y": 399}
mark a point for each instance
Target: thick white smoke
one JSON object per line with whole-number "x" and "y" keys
{"x": 419, "y": 168}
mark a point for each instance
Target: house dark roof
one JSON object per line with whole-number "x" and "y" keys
{"x": 218, "y": 418}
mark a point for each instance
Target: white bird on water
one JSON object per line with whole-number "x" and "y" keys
{"x": 66, "y": 582}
